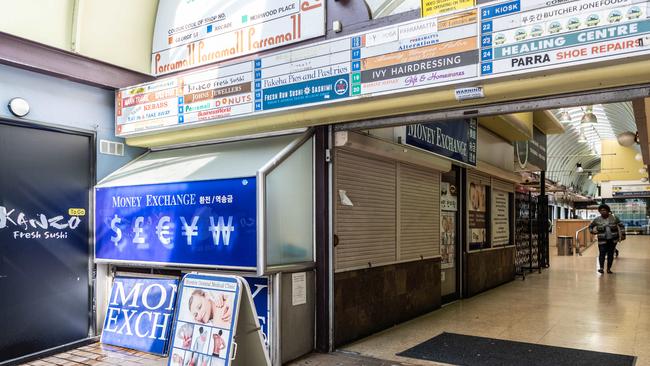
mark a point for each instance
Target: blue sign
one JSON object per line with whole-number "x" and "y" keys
{"x": 209, "y": 223}
{"x": 313, "y": 91}
{"x": 455, "y": 139}
{"x": 260, "y": 290}
{"x": 500, "y": 9}
{"x": 140, "y": 313}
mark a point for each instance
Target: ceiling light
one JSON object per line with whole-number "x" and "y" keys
{"x": 582, "y": 137}
{"x": 638, "y": 157}
{"x": 626, "y": 139}
{"x": 589, "y": 116}
{"x": 644, "y": 179}
{"x": 579, "y": 168}
{"x": 565, "y": 117}
{"x": 643, "y": 170}
{"x": 591, "y": 176}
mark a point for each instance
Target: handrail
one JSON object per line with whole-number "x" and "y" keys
{"x": 577, "y": 241}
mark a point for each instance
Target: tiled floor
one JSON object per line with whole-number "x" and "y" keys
{"x": 569, "y": 305}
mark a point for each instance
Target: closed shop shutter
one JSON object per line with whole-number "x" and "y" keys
{"x": 503, "y": 186}
{"x": 419, "y": 192}
{"x": 367, "y": 230}
{"x": 478, "y": 178}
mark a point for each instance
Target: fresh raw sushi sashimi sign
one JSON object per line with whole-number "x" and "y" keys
{"x": 191, "y": 33}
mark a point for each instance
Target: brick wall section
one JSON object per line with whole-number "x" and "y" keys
{"x": 370, "y": 300}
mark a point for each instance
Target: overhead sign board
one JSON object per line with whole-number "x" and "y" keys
{"x": 199, "y": 32}
{"x": 632, "y": 190}
{"x": 203, "y": 223}
{"x": 522, "y": 36}
{"x": 531, "y": 155}
{"x": 455, "y": 139}
{"x": 462, "y": 48}
{"x": 417, "y": 54}
{"x": 140, "y": 313}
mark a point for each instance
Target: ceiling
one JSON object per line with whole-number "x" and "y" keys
{"x": 567, "y": 149}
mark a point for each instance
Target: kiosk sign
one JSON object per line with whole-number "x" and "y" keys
{"x": 139, "y": 314}
{"x": 203, "y": 223}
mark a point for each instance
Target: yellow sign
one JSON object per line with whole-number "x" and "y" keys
{"x": 433, "y": 7}
{"x": 77, "y": 212}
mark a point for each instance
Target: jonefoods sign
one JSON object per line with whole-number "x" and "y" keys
{"x": 192, "y": 33}
{"x": 461, "y": 48}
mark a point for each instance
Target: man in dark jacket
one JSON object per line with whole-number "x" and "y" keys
{"x": 608, "y": 228}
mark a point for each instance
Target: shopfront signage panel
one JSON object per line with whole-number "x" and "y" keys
{"x": 632, "y": 190}
{"x": 531, "y": 155}
{"x": 454, "y": 139}
{"x": 421, "y": 53}
{"x": 500, "y": 218}
{"x": 140, "y": 313}
{"x": 261, "y": 298}
{"x": 195, "y": 33}
{"x": 493, "y": 39}
{"x": 521, "y": 36}
{"x": 203, "y": 223}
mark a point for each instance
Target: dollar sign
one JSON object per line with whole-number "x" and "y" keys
{"x": 118, "y": 232}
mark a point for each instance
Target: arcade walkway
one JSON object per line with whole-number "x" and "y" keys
{"x": 569, "y": 305}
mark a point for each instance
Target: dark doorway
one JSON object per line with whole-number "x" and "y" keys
{"x": 45, "y": 180}
{"x": 450, "y": 250}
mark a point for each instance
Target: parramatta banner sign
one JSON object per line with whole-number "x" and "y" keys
{"x": 140, "y": 313}
{"x": 191, "y": 33}
{"x": 202, "y": 223}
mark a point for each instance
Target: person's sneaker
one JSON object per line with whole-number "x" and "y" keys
{"x": 616, "y": 253}
{"x": 601, "y": 271}
{"x": 609, "y": 271}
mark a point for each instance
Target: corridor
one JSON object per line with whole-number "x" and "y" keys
{"x": 569, "y": 305}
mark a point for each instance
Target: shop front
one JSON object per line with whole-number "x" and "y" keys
{"x": 212, "y": 209}
{"x": 407, "y": 228}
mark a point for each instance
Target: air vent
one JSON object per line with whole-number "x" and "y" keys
{"x": 111, "y": 148}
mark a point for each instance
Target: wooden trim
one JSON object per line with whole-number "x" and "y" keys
{"x": 29, "y": 55}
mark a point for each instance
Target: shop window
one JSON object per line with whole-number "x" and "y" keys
{"x": 384, "y": 8}
{"x": 477, "y": 212}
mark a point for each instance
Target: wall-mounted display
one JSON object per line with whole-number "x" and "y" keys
{"x": 477, "y": 219}
{"x": 500, "y": 218}
{"x": 448, "y": 239}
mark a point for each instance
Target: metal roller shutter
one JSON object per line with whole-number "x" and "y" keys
{"x": 503, "y": 186}
{"x": 479, "y": 178}
{"x": 366, "y": 231}
{"x": 419, "y": 193}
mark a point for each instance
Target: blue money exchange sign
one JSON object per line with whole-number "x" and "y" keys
{"x": 455, "y": 139}
{"x": 140, "y": 313}
{"x": 210, "y": 223}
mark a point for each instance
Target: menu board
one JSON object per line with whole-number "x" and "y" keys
{"x": 500, "y": 218}
{"x": 518, "y": 36}
{"x": 194, "y": 33}
{"x": 493, "y": 39}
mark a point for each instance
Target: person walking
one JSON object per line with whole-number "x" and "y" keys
{"x": 608, "y": 228}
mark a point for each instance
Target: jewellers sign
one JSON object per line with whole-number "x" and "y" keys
{"x": 454, "y": 139}
{"x": 191, "y": 33}
{"x": 140, "y": 313}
